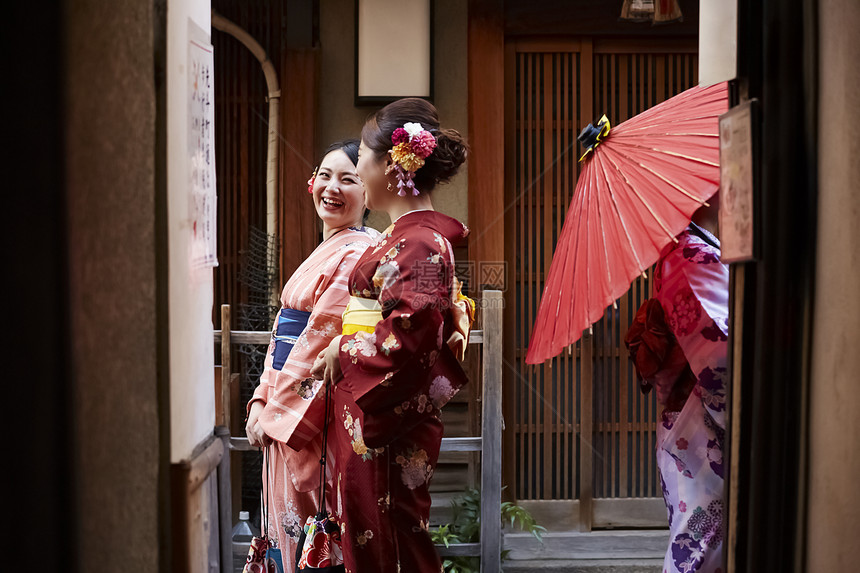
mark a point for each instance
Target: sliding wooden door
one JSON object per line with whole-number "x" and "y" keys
{"x": 582, "y": 434}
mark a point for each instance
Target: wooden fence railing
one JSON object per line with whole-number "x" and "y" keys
{"x": 488, "y": 444}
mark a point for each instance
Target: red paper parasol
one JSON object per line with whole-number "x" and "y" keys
{"x": 640, "y": 184}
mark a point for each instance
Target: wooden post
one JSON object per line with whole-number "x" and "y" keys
{"x": 219, "y": 407}
{"x": 586, "y": 80}
{"x": 225, "y": 365}
{"x": 299, "y": 231}
{"x": 238, "y": 429}
{"x": 509, "y": 379}
{"x": 491, "y": 433}
{"x": 225, "y": 502}
{"x": 733, "y": 420}
{"x": 586, "y": 450}
{"x": 196, "y": 546}
{"x": 623, "y": 415}
{"x": 486, "y": 83}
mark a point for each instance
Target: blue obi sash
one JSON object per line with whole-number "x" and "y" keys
{"x": 291, "y": 323}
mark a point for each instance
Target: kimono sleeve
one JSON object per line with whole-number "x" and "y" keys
{"x": 293, "y": 412}
{"x": 695, "y": 298}
{"x": 694, "y": 295}
{"x": 390, "y": 366}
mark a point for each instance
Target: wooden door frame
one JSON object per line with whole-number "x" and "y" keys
{"x": 778, "y": 64}
{"x": 486, "y": 135}
{"x": 486, "y": 178}
{"x": 584, "y": 507}
{"x": 491, "y": 180}
{"x": 590, "y": 511}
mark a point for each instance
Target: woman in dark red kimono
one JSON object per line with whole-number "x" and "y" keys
{"x": 393, "y": 367}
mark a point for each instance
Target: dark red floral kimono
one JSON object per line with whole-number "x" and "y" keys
{"x": 386, "y": 428}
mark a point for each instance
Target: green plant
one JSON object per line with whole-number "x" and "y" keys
{"x": 465, "y": 527}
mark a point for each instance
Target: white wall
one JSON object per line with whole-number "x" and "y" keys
{"x": 718, "y": 43}
{"x": 192, "y": 355}
{"x": 339, "y": 118}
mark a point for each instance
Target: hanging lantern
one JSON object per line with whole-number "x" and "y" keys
{"x": 666, "y": 11}
{"x": 637, "y": 10}
{"x": 654, "y": 11}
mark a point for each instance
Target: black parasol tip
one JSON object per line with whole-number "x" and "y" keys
{"x": 591, "y": 135}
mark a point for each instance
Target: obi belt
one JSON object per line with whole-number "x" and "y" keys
{"x": 291, "y": 323}
{"x": 362, "y": 314}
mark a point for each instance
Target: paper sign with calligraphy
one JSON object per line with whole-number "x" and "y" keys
{"x": 737, "y": 184}
{"x": 201, "y": 152}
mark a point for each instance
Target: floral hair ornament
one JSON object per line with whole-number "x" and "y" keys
{"x": 311, "y": 181}
{"x": 412, "y": 145}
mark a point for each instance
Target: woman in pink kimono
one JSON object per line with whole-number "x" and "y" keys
{"x": 679, "y": 344}
{"x": 286, "y": 411}
{"x": 394, "y": 367}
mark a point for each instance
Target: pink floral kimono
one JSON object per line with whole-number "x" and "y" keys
{"x": 691, "y": 285}
{"x": 316, "y": 295}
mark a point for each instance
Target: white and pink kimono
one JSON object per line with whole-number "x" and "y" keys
{"x": 313, "y": 302}
{"x": 691, "y": 284}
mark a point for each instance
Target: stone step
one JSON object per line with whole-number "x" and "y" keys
{"x": 629, "y": 551}
{"x": 587, "y": 566}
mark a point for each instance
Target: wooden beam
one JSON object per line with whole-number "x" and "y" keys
{"x": 459, "y": 550}
{"x": 586, "y": 452}
{"x": 587, "y": 17}
{"x": 664, "y": 45}
{"x": 461, "y": 445}
{"x": 245, "y": 336}
{"x": 491, "y": 433}
{"x": 193, "y": 506}
{"x": 509, "y": 377}
{"x": 203, "y": 464}
{"x": 226, "y": 366}
{"x": 225, "y": 499}
{"x": 298, "y": 223}
{"x": 264, "y": 336}
{"x": 546, "y": 189}
{"x": 563, "y": 515}
{"x": 735, "y": 351}
{"x": 486, "y": 136}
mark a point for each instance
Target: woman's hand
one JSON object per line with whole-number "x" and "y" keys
{"x": 256, "y": 436}
{"x": 327, "y": 365}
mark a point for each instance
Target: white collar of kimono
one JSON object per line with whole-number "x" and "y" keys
{"x": 412, "y": 211}
{"x": 706, "y": 234}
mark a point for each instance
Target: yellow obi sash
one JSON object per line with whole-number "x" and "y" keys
{"x": 361, "y": 314}
{"x": 463, "y": 315}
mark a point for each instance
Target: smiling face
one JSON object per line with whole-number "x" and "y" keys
{"x": 338, "y": 194}
{"x": 371, "y": 169}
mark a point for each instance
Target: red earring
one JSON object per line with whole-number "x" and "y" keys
{"x": 311, "y": 181}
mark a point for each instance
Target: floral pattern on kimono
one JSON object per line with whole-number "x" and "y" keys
{"x": 416, "y": 471}
{"x": 692, "y": 286}
{"x": 395, "y": 380}
{"x": 290, "y": 520}
{"x": 293, "y": 407}
{"x": 381, "y": 368}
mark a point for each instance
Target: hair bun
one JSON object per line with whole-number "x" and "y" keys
{"x": 450, "y": 153}
{"x": 447, "y": 157}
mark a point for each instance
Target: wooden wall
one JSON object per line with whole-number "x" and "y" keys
{"x": 241, "y": 120}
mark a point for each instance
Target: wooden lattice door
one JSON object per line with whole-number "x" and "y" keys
{"x": 582, "y": 434}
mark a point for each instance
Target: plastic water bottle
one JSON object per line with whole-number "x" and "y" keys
{"x": 243, "y": 532}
